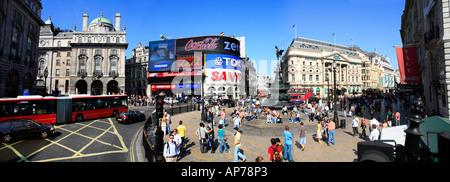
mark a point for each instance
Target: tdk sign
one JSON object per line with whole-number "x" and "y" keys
{"x": 221, "y": 61}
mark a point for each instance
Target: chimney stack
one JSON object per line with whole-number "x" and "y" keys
{"x": 85, "y": 21}
{"x": 117, "y": 22}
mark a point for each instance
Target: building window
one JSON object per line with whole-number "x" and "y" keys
{"x": 310, "y": 78}
{"x": 57, "y": 72}
{"x": 303, "y": 77}
{"x": 113, "y": 68}
{"x": 117, "y": 39}
{"x": 82, "y": 64}
{"x": 68, "y": 62}
{"x": 14, "y": 43}
{"x": 317, "y": 78}
{"x": 58, "y": 62}
{"x": 67, "y": 72}
{"x": 68, "y": 54}
{"x": 292, "y": 78}
{"x": 98, "y": 64}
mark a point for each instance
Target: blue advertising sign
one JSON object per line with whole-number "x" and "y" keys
{"x": 161, "y": 56}
{"x": 221, "y": 61}
{"x": 188, "y": 86}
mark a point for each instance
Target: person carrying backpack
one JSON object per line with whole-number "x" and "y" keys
{"x": 275, "y": 152}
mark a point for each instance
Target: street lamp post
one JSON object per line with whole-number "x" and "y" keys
{"x": 336, "y": 119}
{"x": 45, "y": 82}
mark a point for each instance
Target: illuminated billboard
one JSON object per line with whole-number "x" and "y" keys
{"x": 161, "y": 56}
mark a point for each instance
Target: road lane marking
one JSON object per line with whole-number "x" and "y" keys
{"x": 16, "y": 152}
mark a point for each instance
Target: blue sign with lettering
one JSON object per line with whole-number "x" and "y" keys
{"x": 222, "y": 61}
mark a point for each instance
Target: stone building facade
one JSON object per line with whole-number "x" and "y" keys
{"x": 19, "y": 34}
{"x": 90, "y": 61}
{"x": 308, "y": 62}
{"x": 426, "y": 25}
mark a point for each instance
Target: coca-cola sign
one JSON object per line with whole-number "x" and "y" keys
{"x": 208, "y": 44}
{"x": 205, "y": 44}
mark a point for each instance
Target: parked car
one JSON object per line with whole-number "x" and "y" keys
{"x": 130, "y": 117}
{"x": 168, "y": 100}
{"x": 18, "y": 128}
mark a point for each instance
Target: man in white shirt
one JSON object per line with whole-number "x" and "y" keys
{"x": 355, "y": 123}
{"x": 170, "y": 152}
{"x": 177, "y": 139}
{"x": 237, "y": 123}
{"x": 374, "y": 134}
{"x": 372, "y": 122}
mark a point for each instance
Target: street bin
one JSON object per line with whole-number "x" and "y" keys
{"x": 343, "y": 123}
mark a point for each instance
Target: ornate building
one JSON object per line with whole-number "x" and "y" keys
{"x": 136, "y": 71}
{"x": 307, "y": 63}
{"x": 90, "y": 61}
{"x": 19, "y": 35}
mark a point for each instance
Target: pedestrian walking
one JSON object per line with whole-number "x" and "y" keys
{"x": 202, "y": 137}
{"x": 222, "y": 138}
{"x": 355, "y": 123}
{"x": 181, "y": 131}
{"x": 223, "y": 117}
{"x": 211, "y": 138}
{"x": 319, "y": 132}
{"x": 397, "y": 119}
{"x": 287, "y": 144}
{"x": 302, "y": 138}
{"x": 170, "y": 152}
{"x": 331, "y": 127}
{"x": 237, "y": 123}
{"x": 363, "y": 127}
{"x": 176, "y": 139}
{"x": 237, "y": 145}
{"x": 372, "y": 122}
{"x": 275, "y": 151}
{"x": 375, "y": 133}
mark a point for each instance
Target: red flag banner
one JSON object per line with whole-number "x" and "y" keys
{"x": 408, "y": 65}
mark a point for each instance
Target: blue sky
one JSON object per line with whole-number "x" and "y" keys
{"x": 265, "y": 23}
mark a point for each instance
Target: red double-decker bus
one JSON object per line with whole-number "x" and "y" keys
{"x": 300, "y": 94}
{"x": 59, "y": 110}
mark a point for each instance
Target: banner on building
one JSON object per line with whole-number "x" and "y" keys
{"x": 408, "y": 65}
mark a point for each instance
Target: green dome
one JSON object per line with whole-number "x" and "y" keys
{"x": 103, "y": 20}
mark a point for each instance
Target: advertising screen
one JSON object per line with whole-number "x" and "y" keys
{"x": 221, "y": 61}
{"x": 161, "y": 56}
{"x": 188, "y": 63}
{"x": 208, "y": 44}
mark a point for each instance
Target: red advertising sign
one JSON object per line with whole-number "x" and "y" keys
{"x": 174, "y": 74}
{"x": 408, "y": 65}
{"x": 162, "y": 87}
{"x": 188, "y": 62}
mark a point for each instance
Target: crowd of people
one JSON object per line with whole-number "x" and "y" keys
{"x": 320, "y": 113}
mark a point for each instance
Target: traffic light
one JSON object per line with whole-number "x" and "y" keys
{"x": 159, "y": 107}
